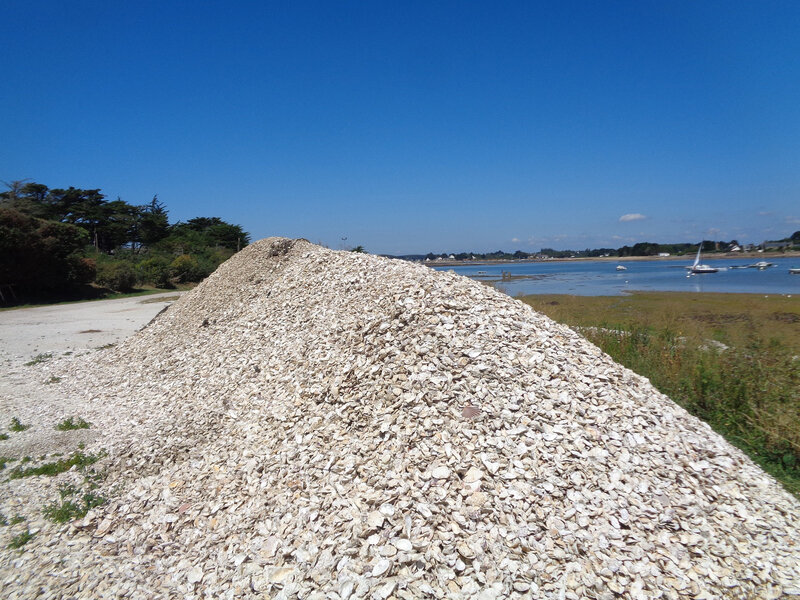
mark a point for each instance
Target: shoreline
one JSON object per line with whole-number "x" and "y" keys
{"x": 617, "y": 259}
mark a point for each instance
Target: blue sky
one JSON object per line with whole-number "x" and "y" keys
{"x": 410, "y": 127}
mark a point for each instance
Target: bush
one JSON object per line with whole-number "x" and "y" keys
{"x": 38, "y": 255}
{"x": 186, "y": 268}
{"x": 118, "y": 276}
{"x": 155, "y": 271}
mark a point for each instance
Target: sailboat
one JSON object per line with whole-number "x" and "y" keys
{"x": 699, "y": 268}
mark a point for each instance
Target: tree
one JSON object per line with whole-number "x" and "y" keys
{"x": 210, "y": 231}
{"x": 39, "y": 255}
{"x": 153, "y": 222}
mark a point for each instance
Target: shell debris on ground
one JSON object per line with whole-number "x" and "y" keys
{"x": 317, "y": 424}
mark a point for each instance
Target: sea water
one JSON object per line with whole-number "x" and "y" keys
{"x": 600, "y": 278}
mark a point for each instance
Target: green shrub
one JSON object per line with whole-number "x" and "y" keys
{"x": 70, "y": 423}
{"x": 39, "y": 358}
{"x": 155, "y": 271}
{"x": 20, "y": 540}
{"x": 71, "y": 506}
{"x": 117, "y": 275}
{"x": 186, "y": 268}
{"x": 78, "y": 459}
{"x": 17, "y": 426}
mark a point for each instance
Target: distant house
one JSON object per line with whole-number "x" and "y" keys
{"x": 663, "y": 253}
{"x": 775, "y": 245}
{"x": 735, "y": 248}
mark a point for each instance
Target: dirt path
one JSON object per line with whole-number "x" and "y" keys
{"x": 28, "y": 332}
{"x": 49, "y": 333}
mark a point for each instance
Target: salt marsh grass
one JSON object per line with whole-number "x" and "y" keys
{"x": 731, "y": 359}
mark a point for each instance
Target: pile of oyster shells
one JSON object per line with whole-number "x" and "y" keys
{"x": 317, "y": 424}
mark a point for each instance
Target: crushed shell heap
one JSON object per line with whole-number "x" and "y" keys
{"x": 317, "y": 424}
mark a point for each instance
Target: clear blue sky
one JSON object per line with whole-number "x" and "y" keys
{"x": 410, "y": 127}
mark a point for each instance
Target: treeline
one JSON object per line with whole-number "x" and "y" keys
{"x": 53, "y": 241}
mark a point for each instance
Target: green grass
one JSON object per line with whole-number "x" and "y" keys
{"x": 18, "y": 541}
{"x": 39, "y": 358}
{"x": 16, "y": 426}
{"x": 3, "y": 436}
{"x": 749, "y": 392}
{"x": 77, "y": 459}
{"x": 53, "y": 379}
{"x": 69, "y": 424}
{"x": 17, "y": 519}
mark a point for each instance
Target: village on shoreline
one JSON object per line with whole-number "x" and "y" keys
{"x": 446, "y": 262}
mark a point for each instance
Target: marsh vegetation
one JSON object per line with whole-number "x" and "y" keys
{"x": 732, "y": 360}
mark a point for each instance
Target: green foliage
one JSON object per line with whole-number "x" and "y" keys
{"x": 5, "y": 459}
{"x": 69, "y": 424}
{"x": 3, "y": 436}
{"x": 38, "y": 255}
{"x": 53, "y": 379}
{"x": 52, "y": 241}
{"x": 156, "y": 271}
{"x": 39, "y": 358}
{"x": 18, "y": 541}
{"x": 72, "y": 505}
{"x": 747, "y": 390}
{"x": 208, "y": 232}
{"x": 185, "y": 268}
{"x": 17, "y": 519}
{"x": 117, "y": 275}
{"x": 749, "y": 394}
{"x": 78, "y": 459}
{"x": 153, "y": 225}
{"x": 17, "y": 426}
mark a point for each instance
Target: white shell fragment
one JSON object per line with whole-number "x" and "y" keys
{"x": 194, "y": 575}
{"x": 381, "y": 567}
{"x": 441, "y": 473}
{"x": 315, "y": 424}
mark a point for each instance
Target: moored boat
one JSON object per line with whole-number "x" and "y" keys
{"x": 700, "y": 268}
